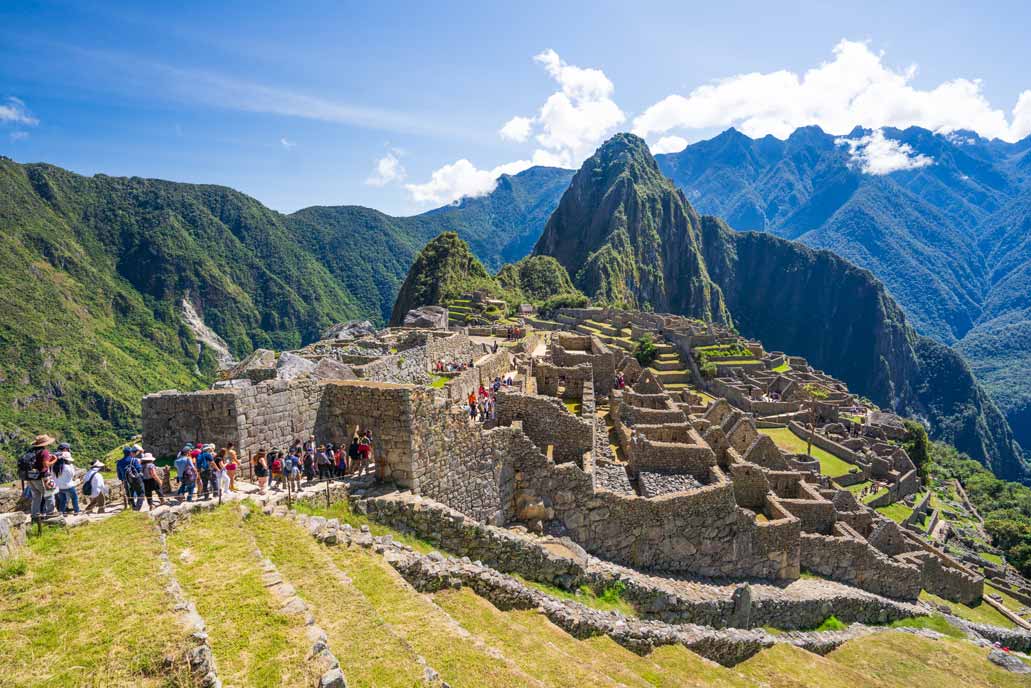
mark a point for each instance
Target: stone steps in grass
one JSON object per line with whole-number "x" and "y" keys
{"x": 462, "y": 659}
{"x": 370, "y": 653}
{"x": 667, "y": 376}
{"x": 256, "y": 641}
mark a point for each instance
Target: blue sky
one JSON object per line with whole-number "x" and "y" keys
{"x": 400, "y": 106}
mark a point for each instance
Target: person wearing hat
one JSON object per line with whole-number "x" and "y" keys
{"x": 204, "y": 462}
{"x": 151, "y": 480}
{"x": 93, "y": 487}
{"x": 64, "y": 472}
{"x": 130, "y": 472}
{"x": 35, "y": 468}
{"x": 181, "y": 459}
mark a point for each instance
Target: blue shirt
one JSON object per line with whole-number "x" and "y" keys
{"x": 203, "y": 460}
{"x": 123, "y": 464}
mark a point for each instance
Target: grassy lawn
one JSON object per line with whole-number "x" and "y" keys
{"x": 1011, "y": 603}
{"x": 438, "y": 381}
{"x": 782, "y": 368}
{"x": 934, "y": 623}
{"x": 981, "y": 613}
{"x": 339, "y": 608}
{"x": 830, "y": 465}
{"x": 254, "y": 643}
{"x": 610, "y": 600}
{"x": 86, "y": 607}
{"x": 572, "y": 406}
{"x": 897, "y": 512}
{"x": 858, "y": 487}
{"x": 991, "y": 558}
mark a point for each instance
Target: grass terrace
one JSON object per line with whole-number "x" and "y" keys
{"x": 438, "y": 381}
{"x": 782, "y": 368}
{"x": 830, "y": 465}
{"x": 979, "y": 613}
{"x": 1011, "y": 603}
{"x": 610, "y": 599}
{"x": 991, "y": 558}
{"x": 87, "y": 607}
{"x": 897, "y": 512}
{"x": 574, "y": 406}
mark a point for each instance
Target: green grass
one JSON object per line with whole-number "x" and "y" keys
{"x": 782, "y": 368}
{"x": 897, "y": 512}
{"x": 880, "y": 492}
{"x": 340, "y": 609}
{"x": 87, "y": 607}
{"x": 830, "y": 465}
{"x": 341, "y": 510}
{"x": 935, "y": 622}
{"x": 573, "y": 406}
{"x": 1011, "y": 603}
{"x": 991, "y": 558}
{"x": 439, "y": 381}
{"x": 254, "y": 643}
{"x": 979, "y": 613}
{"x": 610, "y": 599}
{"x": 831, "y": 623}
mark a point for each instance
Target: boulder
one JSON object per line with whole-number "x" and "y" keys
{"x": 434, "y": 317}
{"x": 258, "y": 360}
{"x": 347, "y": 331}
{"x": 329, "y": 369}
{"x": 1008, "y": 662}
{"x": 291, "y": 366}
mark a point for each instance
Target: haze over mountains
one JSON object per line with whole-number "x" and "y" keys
{"x": 948, "y": 232}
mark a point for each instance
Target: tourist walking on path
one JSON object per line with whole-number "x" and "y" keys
{"x": 277, "y": 471}
{"x": 232, "y": 465}
{"x": 188, "y": 479}
{"x": 204, "y": 461}
{"x": 181, "y": 459}
{"x": 217, "y": 472}
{"x": 64, "y": 474}
{"x": 151, "y": 480}
{"x": 354, "y": 456}
{"x": 94, "y": 488}
{"x": 130, "y": 473}
{"x": 34, "y": 468}
{"x": 364, "y": 452}
{"x": 325, "y": 463}
{"x": 259, "y": 466}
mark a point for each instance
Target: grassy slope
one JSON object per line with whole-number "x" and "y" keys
{"x": 830, "y": 465}
{"x": 90, "y": 609}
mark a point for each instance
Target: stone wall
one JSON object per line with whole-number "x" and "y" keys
{"x": 13, "y": 534}
{"x": 172, "y": 419}
{"x": 546, "y": 421}
{"x": 486, "y": 369}
{"x": 828, "y": 445}
{"x": 666, "y": 449}
{"x": 846, "y": 557}
{"x": 273, "y": 414}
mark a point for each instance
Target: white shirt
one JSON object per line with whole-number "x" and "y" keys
{"x": 97, "y": 483}
{"x": 66, "y": 478}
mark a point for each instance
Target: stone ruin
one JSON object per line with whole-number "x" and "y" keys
{"x": 657, "y": 475}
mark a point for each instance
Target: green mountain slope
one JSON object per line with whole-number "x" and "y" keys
{"x": 810, "y": 303}
{"x": 629, "y": 237}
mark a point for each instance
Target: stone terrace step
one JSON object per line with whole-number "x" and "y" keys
{"x": 461, "y": 659}
{"x": 604, "y": 328}
{"x": 339, "y": 608}
{"x": 667, "y": 376}
{"x": 667, "y": 364}
{"x": 256, "y": 639}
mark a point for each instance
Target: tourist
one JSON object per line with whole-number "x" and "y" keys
{"x": 188, "y": 478}
{"x": 93, "y": 487}
{"x": 353, "y": 454}
{"x": 151, "y": 480}
{"x": 309, "y": 446}
{"x": 364, "y": 452}
{"x": 64, "y": 474}
{"x": 259, "y": 467}
{"x": 292, "y": 469}
{"x": 308, "y": 462}
{"x": 340, "y": 459}
{"x": 277, "y": 471}
{"x": 130, "y": 473}
{"x": 204, "y": 461}
{"x": 34, "y": 468}
{"x": 325, "y": 464}
{"x": 181, "y": 459}
{"x": 218, "y": 466}
{"x": 232, "y": 465}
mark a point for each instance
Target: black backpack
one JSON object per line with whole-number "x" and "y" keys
{"x": 27, "y": 466}
{"x": 87, "y": 484}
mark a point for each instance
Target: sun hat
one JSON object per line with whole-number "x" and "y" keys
{"x": 195, "y": 453}
{"x": 64, "y": 446}
{"x": 137, "y": 448}
{"x": 43, "y": 441}
{"x": 97, "y": 464}
{"x": 147, "y": 457}
{"x": 127, "y": 449}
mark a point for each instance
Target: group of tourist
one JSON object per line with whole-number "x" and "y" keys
{"x": 50, "y": 478}
{"x": 452, "y": 367}
{"x": 481, "y": 403}
{"x": 272, "y": 469}
{"x": 620, "y": 381}
{"x": 50, "y": 483}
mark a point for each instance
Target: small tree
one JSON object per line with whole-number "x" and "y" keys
{"x": 813, "y": 394}
{"x": 918, "y": 447}
{"x": 645, "y": 352}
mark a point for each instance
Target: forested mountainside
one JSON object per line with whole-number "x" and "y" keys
{"x": 805, "y": 302}
{"x": 115, "y": 287}
{"x": 628, "y": 237}
{"x": 949, "y": 236}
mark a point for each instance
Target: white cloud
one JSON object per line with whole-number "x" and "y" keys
{"x": 855, "y": 88}
{"x": 388, "y": 169}
{"x": 287, "y": 144}
{"x": 13, "y": 111}
{"x": 517, "y": 129}
{"x": 877, "y": 154}
{"x": 669, "y": 144}
{"x": 461, "y": 179}
{"x": 567, "y": 128}
{"x": 19, "y": 136}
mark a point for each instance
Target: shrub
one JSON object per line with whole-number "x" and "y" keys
{"x": 645, "y": 352}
